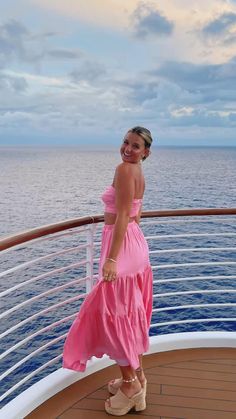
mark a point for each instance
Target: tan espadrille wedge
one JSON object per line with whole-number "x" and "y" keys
{"x": 120, "y": 404}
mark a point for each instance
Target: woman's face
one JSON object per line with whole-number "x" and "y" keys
{"x": 133, "y": 148}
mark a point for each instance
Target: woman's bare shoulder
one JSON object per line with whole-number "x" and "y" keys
{"x": 124, "y": 168}
{"x": 123, "y": 172}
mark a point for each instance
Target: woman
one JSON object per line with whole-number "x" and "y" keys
{"x": 115, "y": 317}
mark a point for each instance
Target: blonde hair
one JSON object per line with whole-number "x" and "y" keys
{"x": 145, "y": 134}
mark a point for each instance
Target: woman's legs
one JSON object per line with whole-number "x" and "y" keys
{"x": 115, "y": 384}
{"x": 140, "y": 372}
{"x": 131, "y": 387}
{"x": 130, "y": 384}
{"x": 129, "y": 395}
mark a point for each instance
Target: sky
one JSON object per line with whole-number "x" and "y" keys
{"x": 76, "y": 72}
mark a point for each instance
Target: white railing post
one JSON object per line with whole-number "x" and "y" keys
{"x": 89, "y": 257}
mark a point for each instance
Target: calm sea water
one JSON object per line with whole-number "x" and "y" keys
{"x": 45, "y": 185}
{"x": 39, "y": 186}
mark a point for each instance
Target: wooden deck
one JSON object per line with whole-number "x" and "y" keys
{"x": 184, "y": 384}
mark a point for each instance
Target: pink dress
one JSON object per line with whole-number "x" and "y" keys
{"x": 115, "y": 317}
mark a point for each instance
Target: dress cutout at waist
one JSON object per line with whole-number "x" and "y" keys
{"x": 108, "y": 198}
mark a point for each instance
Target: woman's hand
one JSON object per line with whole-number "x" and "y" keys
{"x": 109, "y": 270}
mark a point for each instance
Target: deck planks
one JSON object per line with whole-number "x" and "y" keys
{"x": 183, "y": 384}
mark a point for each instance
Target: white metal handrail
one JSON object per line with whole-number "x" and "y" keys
{"x": 178, "y": 236}
{"x": 171, "y": 294}
{"x": 181, "y": 265}
{"x": 33, "y": 335}
{"x": 43, "y": 276}
{"x": 192, "y": 249}
{"x": 39, "y": 296}
{"x": 193, "y": 278}
{"x": 48, "y": 238}
{"x": 26, "y": 358}
{"x": 40, "y": 259}
{"x": 31, "y": 375}
{"x": 40, "y": 313}
{"x": 190, "y": 220}
{"x": 204, "y": 320}
{"x": 187, "y": 306}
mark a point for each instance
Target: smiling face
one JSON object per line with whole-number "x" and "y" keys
{"x": 133, "y": 148}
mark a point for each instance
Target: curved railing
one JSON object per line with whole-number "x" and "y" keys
{"x": 48, "y": 271}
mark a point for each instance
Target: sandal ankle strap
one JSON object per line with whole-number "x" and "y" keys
{"x": 131, "y": 380}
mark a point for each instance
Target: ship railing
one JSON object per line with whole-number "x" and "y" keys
{"x": 36, "y": 314}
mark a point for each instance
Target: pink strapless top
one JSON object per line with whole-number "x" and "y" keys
{"x": 108, "y": 198}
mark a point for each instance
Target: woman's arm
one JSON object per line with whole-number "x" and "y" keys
{"x": 125, "y": 191}
{"x": 138, "y": 216}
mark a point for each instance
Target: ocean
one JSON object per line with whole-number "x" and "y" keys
{"x": 40, "y": 186}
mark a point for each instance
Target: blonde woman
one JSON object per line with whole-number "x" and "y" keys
{"x": 115, "y": 317}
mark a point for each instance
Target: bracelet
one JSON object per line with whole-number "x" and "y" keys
{"x": 112, "y": 260}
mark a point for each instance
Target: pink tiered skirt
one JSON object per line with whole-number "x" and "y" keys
{"x": 115, "y": 317}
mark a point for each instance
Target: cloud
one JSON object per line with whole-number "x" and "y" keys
{"x": 138, "y": 89}
{"x": 203, "y": 118}
{"x": 13, "y": 84}
{"x": 63, "y": 54}
{"x": 12, "y": 36}
{"x": 149, "y": 22}
{"x": 114, "y": 14}
{"x": 13, "y": 30}
{"x": 109, "y": 13}
{"x": 88, "y": 70}
{"x": 220, "y": 25}
{"x": 182, "y": 95}
{"x": 18, "y": 44}
{"x": 48, "y": 88}
{"x": 221, "y": 29}
{"x": 211, "y": 80}
{"x": 60, "y": 106}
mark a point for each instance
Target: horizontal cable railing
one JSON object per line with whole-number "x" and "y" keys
{"x": 212, "y": 220}
{"x": 39, "y": 305}
{"x": 42, "y": 258}
{"x": 192, "y": 249}
{"x": 178, "y": 236}
{"x": 33, "y": 335}
{"x": 204, "y": 320}
{"x": 194, "y": 278}
{"x": 168, "y": 294}
{"x": 184, "y": 307}
{"x": 42, "y": 276}
{"x": 23, "y": 360}
{"x": 43, "y": 294}
{"x": 181, "y": 265}
{"x": 40, "y": 313}
{"x": 31, "y": 375}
